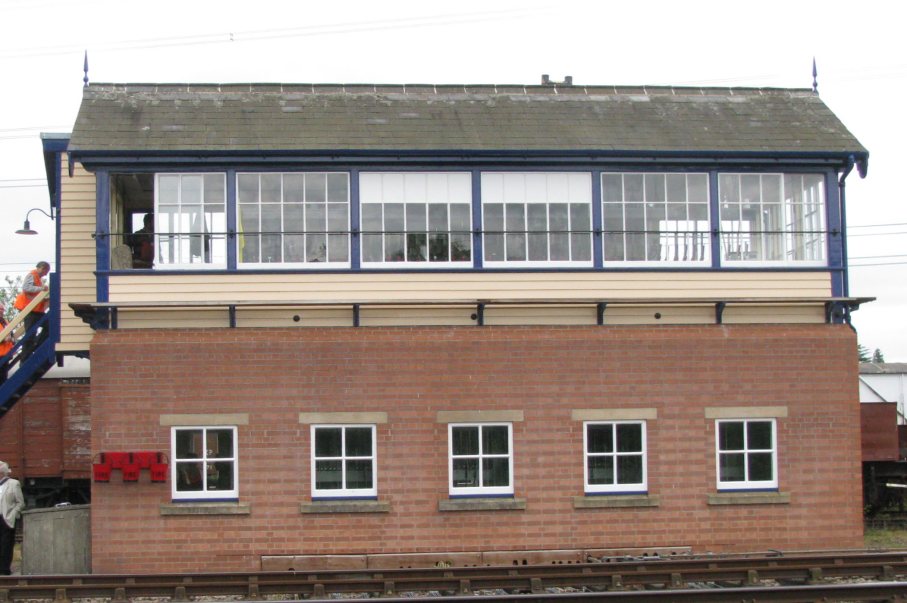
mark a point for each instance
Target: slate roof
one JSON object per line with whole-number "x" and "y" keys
{"x": 187, "y": 118}
{"x": 885, "y": 368}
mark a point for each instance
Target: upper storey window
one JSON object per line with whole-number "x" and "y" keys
{"x": 419, "y": 219}
{"x": 190, "y": 221}
{"x": 537, "y": 219}
{"x": 772, "y": 218}
{"x": 293, "y": 219}
{"x": 656, "y": 218}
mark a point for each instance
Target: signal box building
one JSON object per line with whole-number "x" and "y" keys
{"x": 360, "y": 326}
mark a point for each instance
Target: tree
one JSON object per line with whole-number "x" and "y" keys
{"x": 878, "y": 357}
{"x": 863, "y": 353}
{"x": 8, "y": 293}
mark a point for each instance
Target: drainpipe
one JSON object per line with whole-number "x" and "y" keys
{"x": 851, "y": 161}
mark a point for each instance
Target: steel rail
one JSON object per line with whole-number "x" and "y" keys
{"x": 620, "y": 576}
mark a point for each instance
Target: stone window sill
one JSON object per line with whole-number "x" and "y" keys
{"x": 482, "y": 504}
{"x": 206, "y": 508}
{"x": 615, "y": 501}
{"x": 345, "y": 506}
{"x": 749, "y": 498}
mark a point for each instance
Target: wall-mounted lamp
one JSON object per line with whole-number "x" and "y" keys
{"x": 26, "y": 228}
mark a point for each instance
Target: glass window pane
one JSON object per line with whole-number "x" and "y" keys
{"x": 189, "y": 444}
{"x": 601, "y": 470}
{"x": 338, "y": 188}
{"x": 437, "y": 218}
{"x": 293, "y": 188}
{"x": 214, "y": 190}
{"x": 338, "y": 248}
{"x": 271, "y": 188}
{"x": 760, "y": 466}
{"x": 359, "y": 474}
{"x": 191, "y": 190}
{"x": 493, "y": 220}
{"x": 358, "y": 441}
{"x": 698, "y": 188}
{"x": 168, "y": 189}
{"x": 189, "y": 476}
{"x": 438, "y": 247}
{"x": 759, "y": 435}
{"x": 730, "y": 436}
{"x": 612, "y": 188}
{"x": 465, "y": 440}
{"x": 465, "y": 473}
{"x": 328, "y": 475}
{"x": 633, "y": 187}
{"x": 495, "y": 472}
{"x": 629, "y": 469}
{"x": 494, "y": 439}
{"x": 220, "y": 476}
{"x": 731, "y": 467}
{"x": 220, "y": 443}
{"x": 328, "y": 442}
{"x": 515, "y": 220}
{"x": 629, "y": 438}
{"x": 599, "y": 438}
{"x": 315, "y": 188}
{"x": 655, "y": 187}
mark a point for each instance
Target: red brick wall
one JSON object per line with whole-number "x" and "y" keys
{"x": 411, "y": 373}
{"x": 47, "y": 432}
{"x": 879, "y": 431}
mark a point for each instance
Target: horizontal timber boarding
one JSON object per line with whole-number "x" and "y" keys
{"x": 773, "y": 313}
{"x": 470, "y": 285}
{"x": 77, "y": 254}
{"x": 653, "y": 315}
{"x": 540, "y": 315}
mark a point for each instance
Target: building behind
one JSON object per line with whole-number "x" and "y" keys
{"x": 460, "y": 320}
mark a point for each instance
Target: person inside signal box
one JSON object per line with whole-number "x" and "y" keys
{"x": 32, "y": 285}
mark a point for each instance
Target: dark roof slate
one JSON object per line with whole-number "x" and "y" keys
{"x": 185, "y": 118}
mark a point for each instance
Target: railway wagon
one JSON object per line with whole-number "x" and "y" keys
{"x": 884, "y": 451}
{"x": 46, "y": 439}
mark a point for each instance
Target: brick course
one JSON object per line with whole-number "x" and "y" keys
{"x": 412, "y": 373}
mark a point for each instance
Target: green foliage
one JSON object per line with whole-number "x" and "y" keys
{"x": 863, "y": 353}
{"x": 8, "y": 293}
{"x": 878, "y": 357}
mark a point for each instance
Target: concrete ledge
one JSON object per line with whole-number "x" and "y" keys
{"x": 345, "y": 506}
{"x": 206, "y": 508}
{"x": 613, "y": 414}
{"x": 749, "y": 498}
{"x": 482, "y": 504}
{"x": 358, "y": 418}
{"x": 616, "y": 501}
{"x": 214, "y": 419}
{"x": 479, "y": 416}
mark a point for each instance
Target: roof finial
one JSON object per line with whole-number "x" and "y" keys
{"x": 815, "y": 73}
{"x": 85, "y": 68}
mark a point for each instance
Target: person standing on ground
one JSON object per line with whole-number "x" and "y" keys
{"x": 32, "y": 285}
{"x": 11, "y": 505}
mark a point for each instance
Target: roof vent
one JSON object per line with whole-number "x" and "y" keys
{"x": 547, "y": 81}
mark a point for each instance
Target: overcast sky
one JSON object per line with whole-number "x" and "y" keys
{"x": 859, "y": 49}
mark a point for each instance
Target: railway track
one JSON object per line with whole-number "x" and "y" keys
{"x": 799, "y": 577}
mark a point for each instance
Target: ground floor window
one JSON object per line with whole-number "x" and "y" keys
{"x": 204, "y": 463}
{"x": 615, "y": 454}
{"x": 481, "y": 462}
{"x": 343, "y": 461}
{"x": 746, "y": 452}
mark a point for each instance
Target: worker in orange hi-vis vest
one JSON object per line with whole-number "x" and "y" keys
{"x": 6, "y": 344}
{"x": 32, "y": 286}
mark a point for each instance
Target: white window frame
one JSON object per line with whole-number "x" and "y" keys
{"x": 176, "y": 465}
{"x": 170, "y": 239}
{"x": 533, "y": 189}
{"x": 480, "y": 490}
{"x": 625, "y": 488}
{"x": 747, "y": 484}
{"x": 344, "y": 492}
{"x": 676, "y": 236}
{"x": 741, "y": 233}
{"x": 304, "y": 233}
{"x": 414, "y": 188}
